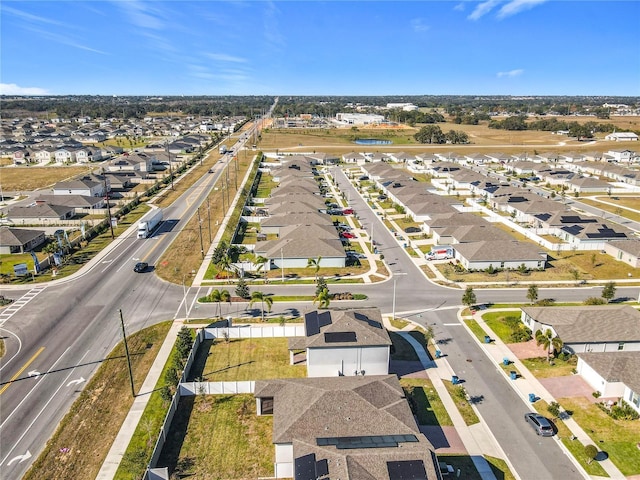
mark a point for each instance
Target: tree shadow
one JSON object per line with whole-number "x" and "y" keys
{"x": 177, "y": 433}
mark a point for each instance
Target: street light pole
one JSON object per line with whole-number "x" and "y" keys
{"x": 393, "y": 310}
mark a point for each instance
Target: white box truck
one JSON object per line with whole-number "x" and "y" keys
{"x": 440, "y": 252}
{"x": 147, "y": 226}
{"x": 223, "y": 149}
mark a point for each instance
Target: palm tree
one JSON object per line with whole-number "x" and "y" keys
{"x": 224, "y": 264}
{"x": 262, "y": 298}
{"x": 323, "y": 298}
{"x": 261, "y": 262}
{"x": 550, "y": 343}
{"x": 315, "y": 263}
{"x": 50, "y": 249}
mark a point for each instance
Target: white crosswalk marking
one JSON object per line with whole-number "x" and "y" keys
{"x": 10, "y": 310}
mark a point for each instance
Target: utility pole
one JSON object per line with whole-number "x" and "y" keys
{"x": 126, "y": 350}
{"x": 166, "y": 146}
{"x": 209, "y": 219}
{"x": 106, "y": 196}
{"x": 200, "y": 229}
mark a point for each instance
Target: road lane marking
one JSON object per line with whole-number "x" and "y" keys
{"x": 451, "y": 324}
{"x": 43, "y": 408}
{"x": 19, "y": 372}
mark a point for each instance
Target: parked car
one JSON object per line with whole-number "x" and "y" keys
{"x": 363, "y": 177}
{"x": 347, "y": 235}
{"x": 382, "y": 197}
{"x": 540, "y": 424}
{"x": 140, "y": 267}
{"x": 347, "y": 211}
{"x": 334, "y": 211}
{"x": 412, "y": 230}
{"x": 356, "y": 254}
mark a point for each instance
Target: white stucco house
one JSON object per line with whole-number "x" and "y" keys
{"x": 602, "y": 328}
{"x": 613, "y": 375}
{"x": 344, "y": 343}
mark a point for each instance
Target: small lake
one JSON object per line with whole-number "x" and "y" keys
{"x": 372, "y": 141}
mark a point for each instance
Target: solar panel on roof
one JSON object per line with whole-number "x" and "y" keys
{"x": 339, "y": 337}
{"x": 366, "y": 441}
{"x": 305, "y": 467}
{"x": 407, "y": 470}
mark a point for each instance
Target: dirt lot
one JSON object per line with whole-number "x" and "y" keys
{"x": 19, "y": 179}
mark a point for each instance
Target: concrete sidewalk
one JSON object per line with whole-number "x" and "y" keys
{"x": 120, "y": 444}
{"x": 527, "y": 383}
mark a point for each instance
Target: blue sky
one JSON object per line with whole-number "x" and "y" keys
{"x": 508, "y": 47}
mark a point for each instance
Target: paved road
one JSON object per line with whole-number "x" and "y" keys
{"x": 57, "y": 340}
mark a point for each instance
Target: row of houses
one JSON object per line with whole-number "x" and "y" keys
{"x": 29, "y": 133}
{"x": 616, "y": 155}
{"x": 77, "y": 152}
{"x": 296, "y": 214}
{"x": 478, "y": 243}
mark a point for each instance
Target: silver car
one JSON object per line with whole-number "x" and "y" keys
{"x": 540, "y": 424}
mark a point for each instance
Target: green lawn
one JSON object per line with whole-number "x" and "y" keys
{"x": 219, "y": 436}
{"x": 616, "y": 437}
{"x": 541, "y": 368}
{"x": 465, "y": 409}
{"x": 401, "y": 349}
{"x": 496, "y": 322}
{"x": 477, "y": 330}
{"x": 244, "y": 359}
{"x": 425, "y": 402}
{"x": 574, "y": 446}
{"x": 7, "y": 261}
{"x": 398, "y": 323}
{"x": 500, "y": 468}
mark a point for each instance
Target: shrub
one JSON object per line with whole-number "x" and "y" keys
{"x": 591, "y": 452}
{"x": 554, "y": 409}
{"x": 596, "y": 394}
{"x": 546, "y": 302}
{"x": 595, "y": 301}
{"x": 624, "y": 412}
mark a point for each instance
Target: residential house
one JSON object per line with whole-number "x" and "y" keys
{"x": 499, "y": 254}
{"x": 613, "y": 375}
{"x": 19, "y": 240}
{"x": 602, "y": 328}
{"x": 593, "y": 236}
{"x": 40, "y": 214}
{"x": 354, "y": 158}
{"x": 88, "y": 185}
{"x": 588, "y": 185}
{"x": 627, "y": 251}
{"x": 344, "y": 343}
{"x": 345, "y": 427}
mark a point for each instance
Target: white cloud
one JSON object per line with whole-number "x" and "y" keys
{"x": 142, "y": 14}
{"x": 517, "y": 6}
{"x": 482, "y": 9}
{"x": 272, "y": 34}
{"x": 459, "y": 7}
{"x": 29, "y": 17}
{"x": 511, "y": 73}
{"x": 223, "y": 57}
{"x": 418, "y": 25}
{"x": 13, "y": 89}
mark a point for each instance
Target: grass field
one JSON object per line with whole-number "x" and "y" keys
{"x": 24, "y": 179}
{"x": 219, "y": 436}
{"x": 7, "y": 261}
{"x": 425, "y": 402}
{"x": 622, "y": 210}
{"x": 616, "y": 437}
{"x": 91, "y": 425}
{"x": 244, "y": 359}
{"x": 183, "y": 256}
{"x": 540, "y": 367}
{"x": 468, "y": 414}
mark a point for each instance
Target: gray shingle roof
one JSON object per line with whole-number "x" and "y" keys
{"x": 616, "y": 367}
{"x": 499, "y": 251}
{"x": 607, "y": 323}
{"x": 308, "y": 409}
{"x": 17, "y": 236}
